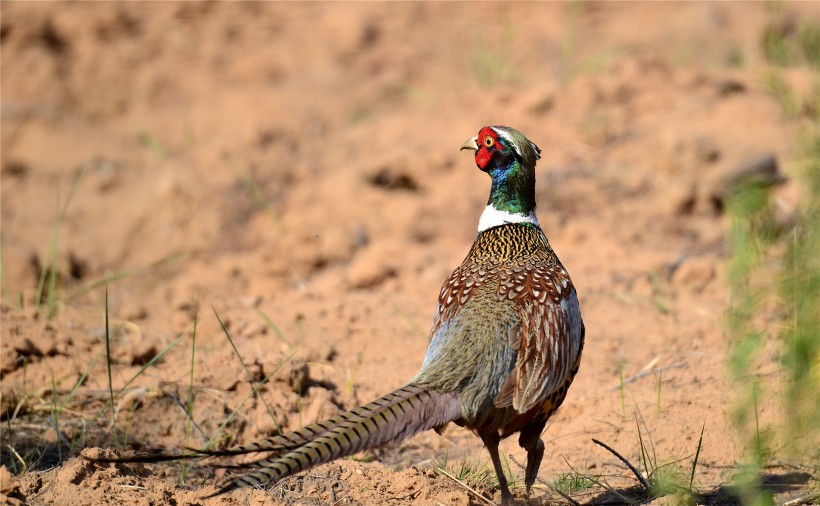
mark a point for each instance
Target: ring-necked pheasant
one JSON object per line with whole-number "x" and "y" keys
{"x": 504, "y": 347}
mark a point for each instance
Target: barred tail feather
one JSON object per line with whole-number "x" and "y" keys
{"x": 392, "y": 418}
{"x": 292, "y": 440}
{"x": 281, "y": 442}
{"x": 275, "y": 444}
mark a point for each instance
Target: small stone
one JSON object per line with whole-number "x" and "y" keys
{"x": 7, "y": 483}
{"x": 251, "y": 301}
{"x": 50, "y": 436}
{"x": 694, "y": 273}
{"x": 762, "y": 171}
{"x": 132, "y": 347}
{"x": 726, "y": 87}
{"x": 389, "y": 178}
{"x": 134, "y": 312}
{"x": 370, "y": 267}
{"x": 15, "y": 168}
{"x": 684, "y": 199}
{"x": 542, "y": 106}
{"x": 706, "y": 149}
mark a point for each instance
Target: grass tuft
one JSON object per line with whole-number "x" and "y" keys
{"x": 786, "y": 42}
{"x": 658, "y": 479}
{"x": 48, "y": 272}
{"x": 774, "y": 282}
{"x": 472, "y": 471}
{"x": 572, "y": 482}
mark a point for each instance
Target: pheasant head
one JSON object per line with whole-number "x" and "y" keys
{"x": 509, "y": 158}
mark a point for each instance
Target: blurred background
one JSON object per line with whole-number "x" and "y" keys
{"x": 287, "y": 175}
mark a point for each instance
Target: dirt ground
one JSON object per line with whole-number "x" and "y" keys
{"x": 294, "y": 168}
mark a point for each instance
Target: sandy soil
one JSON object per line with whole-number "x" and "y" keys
{"x": 299, "y": 163}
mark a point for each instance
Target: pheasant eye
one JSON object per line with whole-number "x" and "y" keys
{"x": 489, "y": 141}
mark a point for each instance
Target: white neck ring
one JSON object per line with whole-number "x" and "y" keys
{"x": 492, "y": 217}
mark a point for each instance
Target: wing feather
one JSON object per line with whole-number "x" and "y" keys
{"x": 549, "y": 338}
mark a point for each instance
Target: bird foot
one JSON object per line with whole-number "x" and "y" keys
{"x": 508, "y": 500}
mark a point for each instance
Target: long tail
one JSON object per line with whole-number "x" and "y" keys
{"x": 299, "y": 437}
{"x": 392, "y": 418}
{"x": 274, "y": 444}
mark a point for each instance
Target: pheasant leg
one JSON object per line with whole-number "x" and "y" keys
{"x": 491, "y": 440}
{"x": 530, "y": 440}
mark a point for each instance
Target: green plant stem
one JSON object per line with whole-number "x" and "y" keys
{"x": 245, "y": 367}
{"x": 660, "y": 381}
{"x": 108, "y": 361}
{"x": 697, "y": 455}
{"x": 49, "y": 268}
{"x": 621, "y": 386}
{"x": 254, "y": 391}
{"x": 190, "y": 408}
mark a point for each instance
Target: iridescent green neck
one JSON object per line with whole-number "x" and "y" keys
{"x": 513, "y": 188}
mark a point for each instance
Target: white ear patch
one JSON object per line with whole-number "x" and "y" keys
{"x": 510, "y": 142}
{"x": 507, "y": 139}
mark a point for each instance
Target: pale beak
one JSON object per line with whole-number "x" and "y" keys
{"x": 472, "y": 143}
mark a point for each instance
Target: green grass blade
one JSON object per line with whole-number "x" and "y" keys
{"x": 49, "y": 268}
{"x": 150, "y": 363}
{"x": 653, "y": 460}
{"x": 93, "y": 285}
{"x": 10, "y": 445}
{"x": 621, "y": 388}
{"x": 603, "y": 484}
{"x": 80, "y": 381}
{"x": 233, "y": 414}
{"x": 73, "y": 190}
{"x": 190, "y": 409}
{"x": 660, "y": 382}
{"x": 244, "y": 366}
{"x": 697, "y": 455}
{"x": 55, "y": 419}
{"x": 644, "y": 452}
{"x": 108, "y": 358}
{"x": 150, "y": 141}
{"x": 273, "y": 327}
{"x": 759, "y": 448}
{"x": 49, "y": 259}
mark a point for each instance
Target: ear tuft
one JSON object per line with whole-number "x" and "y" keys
{"x": 537, "y": 150}
{"x": 517, "y": 141}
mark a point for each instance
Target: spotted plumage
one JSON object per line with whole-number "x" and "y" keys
{"x": 518, "y": 265}
{"x": 505, "y": 343}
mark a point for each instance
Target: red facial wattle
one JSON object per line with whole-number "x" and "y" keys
{"x": 488, "y": 143}
{"x": 482, "y": 157}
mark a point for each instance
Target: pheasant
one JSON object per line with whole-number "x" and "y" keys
{"x": 505, "y": 343}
